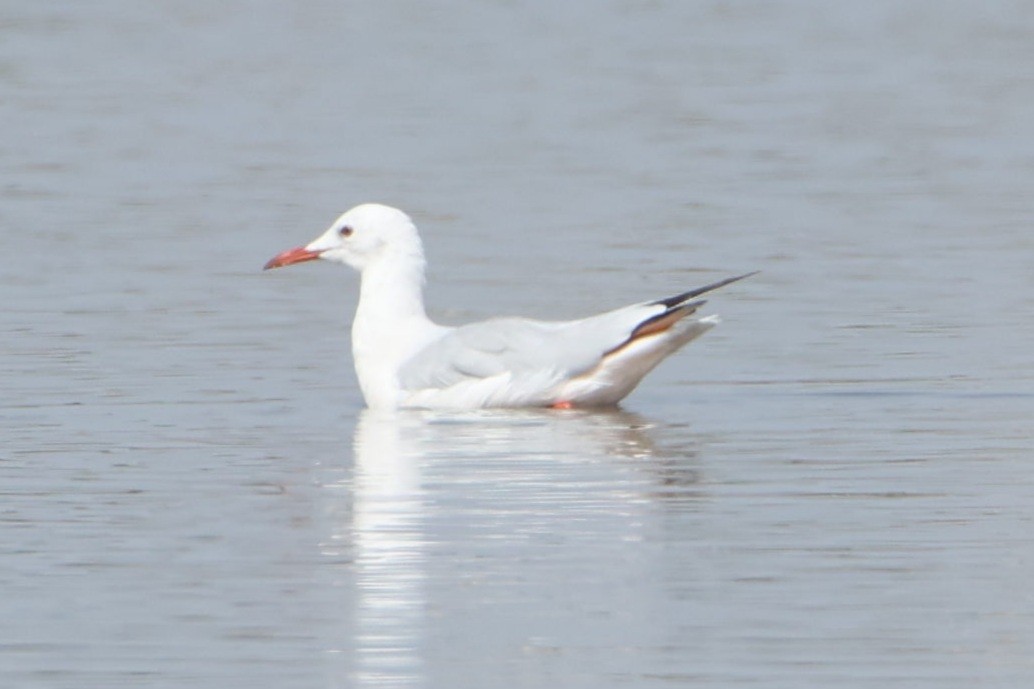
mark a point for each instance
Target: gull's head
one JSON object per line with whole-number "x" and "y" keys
{"x": 360, "y": 237}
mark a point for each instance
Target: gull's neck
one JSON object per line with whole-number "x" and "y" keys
{"x": 393, "y": 288}
{"x": 390, "y": 324}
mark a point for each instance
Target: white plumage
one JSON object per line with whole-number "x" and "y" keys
{"x": 403, "y": 359}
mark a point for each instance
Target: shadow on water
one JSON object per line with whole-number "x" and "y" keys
{"x": 431, "y": 489}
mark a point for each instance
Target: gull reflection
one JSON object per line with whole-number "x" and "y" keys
{"x": 424, "y": 479}
{"x": 389, "y": 553}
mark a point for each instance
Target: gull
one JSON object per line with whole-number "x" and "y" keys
{"x": 404, "y": 360}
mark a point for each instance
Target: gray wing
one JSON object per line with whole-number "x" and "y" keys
{"x": 502, "y": 345}
{"x": 551, "y": 349}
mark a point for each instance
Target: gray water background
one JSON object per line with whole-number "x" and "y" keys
{"x": 832, "y": 489}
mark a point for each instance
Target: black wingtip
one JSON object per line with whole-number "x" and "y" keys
{"x": 661, "y": 322}
{"x": 679, "y": 298}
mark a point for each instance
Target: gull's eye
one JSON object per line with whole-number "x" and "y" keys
{"x": 345, "y": 231}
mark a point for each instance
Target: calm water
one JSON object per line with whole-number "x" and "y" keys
{"x": 832, "y": 489}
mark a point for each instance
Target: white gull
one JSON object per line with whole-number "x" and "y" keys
{"x": 403, "y": 359}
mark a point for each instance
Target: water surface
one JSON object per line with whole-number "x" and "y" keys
{"x": 831, "y": 489}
